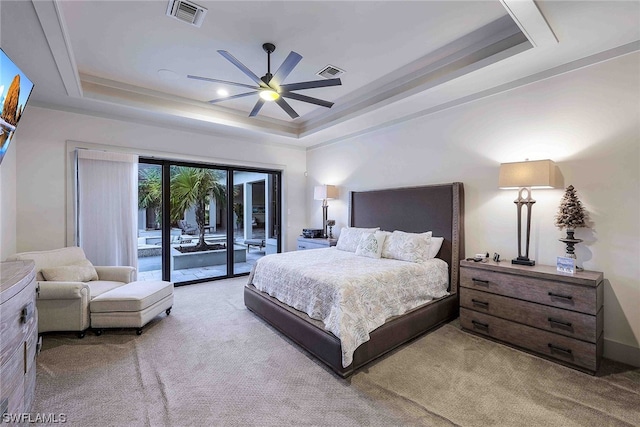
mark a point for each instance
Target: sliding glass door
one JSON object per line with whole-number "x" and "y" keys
{"x": 197, "y": 196}
{"x": 255, "y": 215}
{"x": 201, "y": 222}
{"x": 149, "y": 221}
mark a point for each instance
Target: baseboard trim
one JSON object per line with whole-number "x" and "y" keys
{"x": 622, "y": 353}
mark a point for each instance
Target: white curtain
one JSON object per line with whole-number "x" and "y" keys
{"x": 107, "y": 207}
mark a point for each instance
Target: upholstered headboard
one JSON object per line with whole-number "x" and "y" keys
{"x": 436, "y": 208}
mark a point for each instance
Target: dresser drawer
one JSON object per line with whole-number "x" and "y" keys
{"x": 309, "y": 243}
{"x": 13, "y": 321}
{"x": 558, "y": 347}
{"x": 581, "y": 326}
{"x": 12, "y": 381}
{"x": 554, "y": 293}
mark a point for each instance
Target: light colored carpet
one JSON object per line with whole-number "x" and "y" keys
{"x": 212, "y": 362}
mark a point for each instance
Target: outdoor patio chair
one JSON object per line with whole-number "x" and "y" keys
{"x": 187, "y": 228}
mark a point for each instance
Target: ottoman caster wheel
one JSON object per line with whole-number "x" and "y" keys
{"x": 139, "y": 331}
{"x": 99, "y": 332}
{"x": 168, "y": 311}
{"x": 81, "y": 334}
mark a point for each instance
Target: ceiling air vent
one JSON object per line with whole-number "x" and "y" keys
{"x": 330, "y": 72}
{"x": 186, "y": 11}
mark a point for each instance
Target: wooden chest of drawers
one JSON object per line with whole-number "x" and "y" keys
{"x": 557, "y": 316}
{"x": 18, "y": 336}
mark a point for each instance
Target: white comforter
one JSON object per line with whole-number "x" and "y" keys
{"x": 352, "y": 295}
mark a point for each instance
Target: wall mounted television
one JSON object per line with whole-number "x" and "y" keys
{"x": 15, "y": 88}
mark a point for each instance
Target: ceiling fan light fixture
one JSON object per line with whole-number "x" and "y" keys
{"x": 269, "y": 95}
{"x": 270, "y": 87}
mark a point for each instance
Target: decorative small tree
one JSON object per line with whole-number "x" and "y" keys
{"x": 571, "y": 215}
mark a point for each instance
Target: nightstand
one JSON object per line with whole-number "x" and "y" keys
{"x": 309, "y": 243}
{"x": 554, "y": 315}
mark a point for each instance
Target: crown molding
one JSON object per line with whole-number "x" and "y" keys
{"x": 55, "y": 30}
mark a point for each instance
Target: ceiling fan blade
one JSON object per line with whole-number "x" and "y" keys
{"x": 226, "y": 98}
{"x": 207, "y": 79}
{"x": 286, "y": 107}
{"x": 256, "y": 108}
{"x": 285, "y": 69}
{"x": 308, "y": 99}
{"x": 311, "y": 84}
{"x": 242, "y": 67}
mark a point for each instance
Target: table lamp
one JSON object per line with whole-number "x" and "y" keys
{"x": 325, "y": 192}
{"x": 524, "y": 176}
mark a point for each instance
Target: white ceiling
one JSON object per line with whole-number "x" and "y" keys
{"x": 402, "y": 58}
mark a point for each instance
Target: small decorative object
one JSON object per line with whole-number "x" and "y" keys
{"x": 330, "y": 224}
{"x": 571, "y": 215}
{"x": 566, "y": 265}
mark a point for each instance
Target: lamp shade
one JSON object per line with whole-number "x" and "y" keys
{"x": 534, "y": 174}
{"x": 322, "y": 192}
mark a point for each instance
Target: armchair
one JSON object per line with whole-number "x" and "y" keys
{"x": 188, "y": 228}
{"x": 63, "y": 300}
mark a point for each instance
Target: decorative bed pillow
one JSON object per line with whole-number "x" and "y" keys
{"x": 371, "y": 244}
{"x": 434, "y": 248}
{"x": 412, "y": 247}
{"x": 350, "y": 237}
{"x": 82, "y": 271}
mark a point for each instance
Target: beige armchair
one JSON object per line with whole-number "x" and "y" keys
{"x": 63, "y": 300}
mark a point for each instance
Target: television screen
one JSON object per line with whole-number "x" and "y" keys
{"x": 15, "y": 89}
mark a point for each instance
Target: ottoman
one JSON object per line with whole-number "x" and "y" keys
{"x": 131, "y": 306}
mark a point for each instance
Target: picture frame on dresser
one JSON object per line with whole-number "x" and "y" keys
{"x": 557, "y": 316}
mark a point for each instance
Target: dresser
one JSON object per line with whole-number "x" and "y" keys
{"x": 18, "y": 336}
{"x": 557, "y": 316}
{"x": 311, "y": 243}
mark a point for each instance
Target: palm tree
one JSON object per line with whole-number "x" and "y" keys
{"x": 194, "y": 188}
{"x": 150, "y": 190}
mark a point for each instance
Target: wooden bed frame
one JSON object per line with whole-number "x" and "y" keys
{"x": 439, "y": 208}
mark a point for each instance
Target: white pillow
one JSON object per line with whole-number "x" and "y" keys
{"x": 82, "y": 271}
{"x": 434, "y": 248}
{"x": 412, "y": 247}
{"x": 371, "y": 244}
{"x": 350, "y": 237}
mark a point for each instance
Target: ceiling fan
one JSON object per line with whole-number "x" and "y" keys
{"x": 270, "y": 87}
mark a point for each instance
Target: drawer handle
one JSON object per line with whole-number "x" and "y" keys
{"x": 480, "y": 325}
{"x": 560, "y": 349}
{"x": 27, "y": 313}
{"x": 559, "y": 322}
{"x": 480, "y": 281}
{"x": 567, "y": 297}
{"x": 480, "y": 303}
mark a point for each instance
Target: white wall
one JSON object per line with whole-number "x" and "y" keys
{"x": 43, "y": 208}
{"x": 587, "y": 121}
{"x": 8, "y": 199}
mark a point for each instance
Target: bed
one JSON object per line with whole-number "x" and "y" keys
{"x": 436, "y": 208}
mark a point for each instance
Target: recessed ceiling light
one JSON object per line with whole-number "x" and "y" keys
{"x": 168, "y": 74}
{"x": 223, "y": 92}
